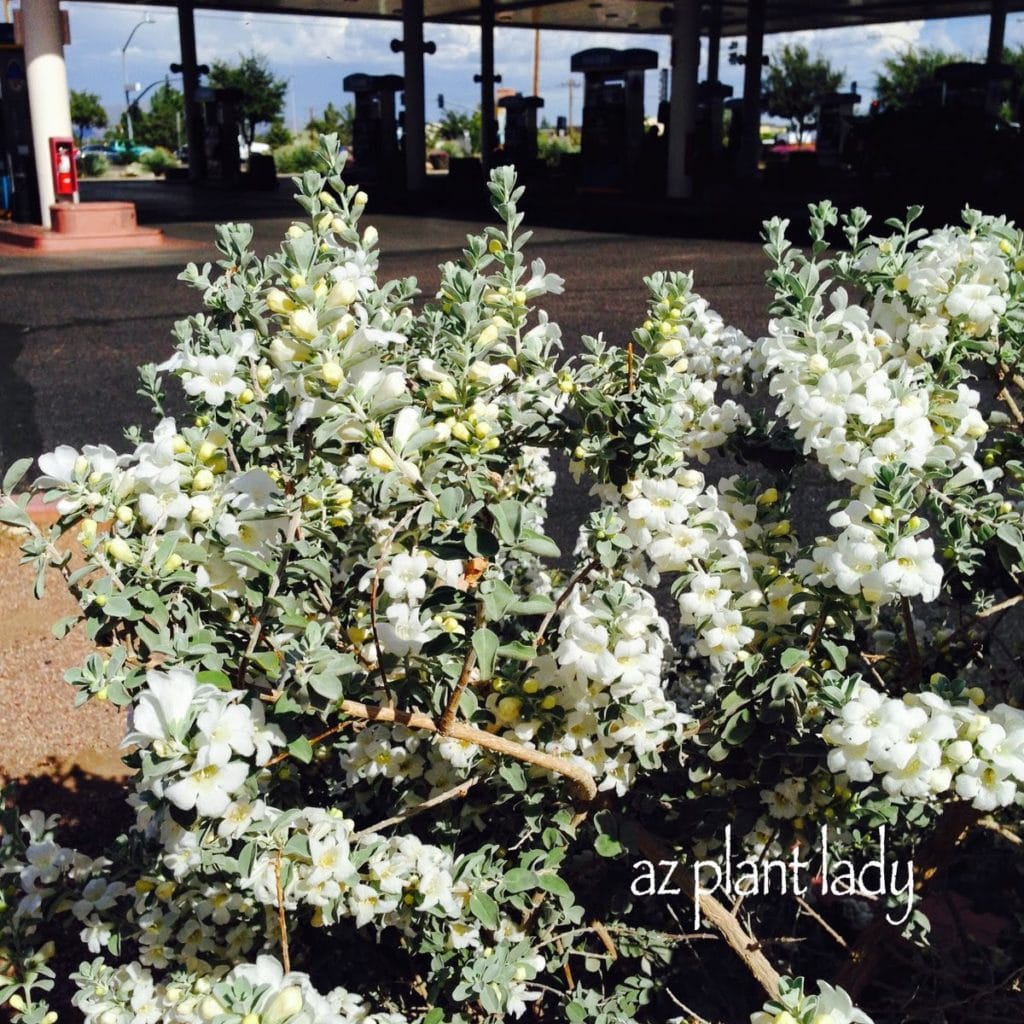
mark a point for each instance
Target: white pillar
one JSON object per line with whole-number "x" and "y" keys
{"x": 683, "y": 112}
{"x": 48, "y": 98}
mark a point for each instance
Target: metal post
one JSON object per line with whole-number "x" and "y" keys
{"x": 750, "y": 143}
{"x": 414, "y": 132}
{"x": 189, "y": 84}
{"x": 996, "y": 32}
{"x": 683, "y": 111}
{"x": 48, "y": 97}
{"x": 488, "y": 135}
{"x": 714, "y": 55}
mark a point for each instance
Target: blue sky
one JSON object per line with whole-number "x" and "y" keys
{"x": 314, "y": 54}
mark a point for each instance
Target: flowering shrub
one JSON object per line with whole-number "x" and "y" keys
{"x": 398, "y": 758}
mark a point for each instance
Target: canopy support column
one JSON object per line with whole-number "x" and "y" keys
{"x": 996, "y": 32}
{"x": 683, "y": 111}
{"x": 488, "y": 129}
{"x": 714, "y": 58}
{"x": 750, "y": 143}
{"x": 48, "y": 97}
{"x": 414, "y": 129}
{"x": 189, "y": 85}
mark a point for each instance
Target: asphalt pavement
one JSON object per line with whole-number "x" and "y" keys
{"x": 73, "y": 328}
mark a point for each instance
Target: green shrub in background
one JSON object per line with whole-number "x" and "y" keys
{"x": 296, "y": 159}
{"x": 93, "y": 165}
{"x": 158, "y": 160}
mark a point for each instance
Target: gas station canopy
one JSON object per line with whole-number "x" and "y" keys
{"x": 641, "y": 16}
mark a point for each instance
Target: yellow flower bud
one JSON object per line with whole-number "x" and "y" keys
{"x": 279, "y": 302}
{"x": 379, "y": 459}
{"x": 325, "y": 222}
{"x": 976, "y": 695}
{"x": 210, "y": 1008}
{"x": 331, "y": 373}
{"x": 287, "y": 1003}
{"x": 490, "y": 444}
{"x": 179, "y": 445}
{"x": 531, "y": 686}
{"x": 768, "y": 497}
{"x": 88, "y": 532}
{"x": 342, "y": 294}
{"x": 781, "y": 528}
{"x": 296, "y": 230}
{"x": 117, "y": 548}
{"x": 548, "y": 702}
{"x": 488, "y": 335}
{"x": 302, "y": 323}
{"x": 206, "y": 451}
{"x": 202, "y": 481}
{"x": 264, "y": 374}
{"x": 494, "y": 247}
{"x": 508, "y": 709}
{"x": 246, "y": 395}
{"x": 879, "y": 515}
{"x": 914, "y": 523}
{"x": 173, "y": 563}
{"x": 460, "y": 432}
{"x": 297, "y": 281}
{"x": 361, "y": 199}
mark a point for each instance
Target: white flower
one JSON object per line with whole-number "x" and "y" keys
{"x": 212, "y": 377}
{"x": 208, "y": 787}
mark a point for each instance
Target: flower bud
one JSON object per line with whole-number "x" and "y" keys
{"x": 768, "y": 497}
{"x": 245, "y": 396}
{"x": 494, "y": 247}
{"x": 302, "y": 323}
{"x": 117, "y": 548}
{"x": 88, "y": 532}
{"x": 331, "y": 373}
{"x": 286, "y": 1004}
{"x": 379, "y": 459}
{"x": 125, "y": 514}
{"x": 508, "y": 709}
{"x": 370, "y": 237}
{"x": 202, "y": 481}
{"x": 460, "y": 432}
{"x": 361, "y": 199}
{"x": 342, "y": 294}
{"x": 210, "y": 1008}
{"x": 279, "y": 302}
{"x": 206, "y": 451}
{"x": 173, "y": 563}
{"x": 264, "y": 374}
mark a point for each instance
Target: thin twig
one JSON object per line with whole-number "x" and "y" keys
{"x": 374, "y": 585}
{"x": 912, "y": 648}
{"x": 1000, "y": 829}
{"x": 455, "y": 793}
{"x": 584, "y": 786}
{"x": 629, "y": 366}
{"x": 815, "y": 916}
{"x": 570, "y": 983}
{"x": 562, "y": 598}
{"x": 742, "y": 942}
{"x": 275, "y": 584}
{"x": 468, "y": 664}
{"x": 313, "y": 741}
{"x": 1001, "y": 607}
{"x": 605, "y": 936}
{"x": 282, "y": 923}
{"x": 695, "y": 1017}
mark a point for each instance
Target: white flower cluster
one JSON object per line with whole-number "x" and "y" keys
{"x": 606, "y": 676}
{"x": 696, "y": 337}
{"x": 202, "y": 743}
{"x": 850, "y": 395}
{"x": 875, "y": 557}
{"x": 252, "y": 992}
{"x": 923, "y": 746}
{"x": 721, "y": 545}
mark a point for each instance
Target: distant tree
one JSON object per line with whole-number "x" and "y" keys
{"x": 1015, "y": 58}
{"x": 454, "y": 124}
{"x": 333, "y": 120}
{"x": 86, "y": 112}
{"x": 277, "y": 135}
{"x": 158, "y": 126}
{"x": 262, "y": 93}
{"x": 795, "y": 84}
{"x": 904, "y": 76}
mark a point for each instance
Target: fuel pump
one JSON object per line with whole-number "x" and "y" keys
{"x": 520, "y": 143}
{"x": 613, "y": 115}
{"x": 375, "y": 144}
{"x": 218, "y": 112}
{"x": 19, "y": 190}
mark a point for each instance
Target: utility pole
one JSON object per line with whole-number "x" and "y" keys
{"x": 572, "y": 85}
{"x": 536, "y": 62}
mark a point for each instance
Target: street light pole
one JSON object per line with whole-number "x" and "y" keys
{"x": 147, "y": 20}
